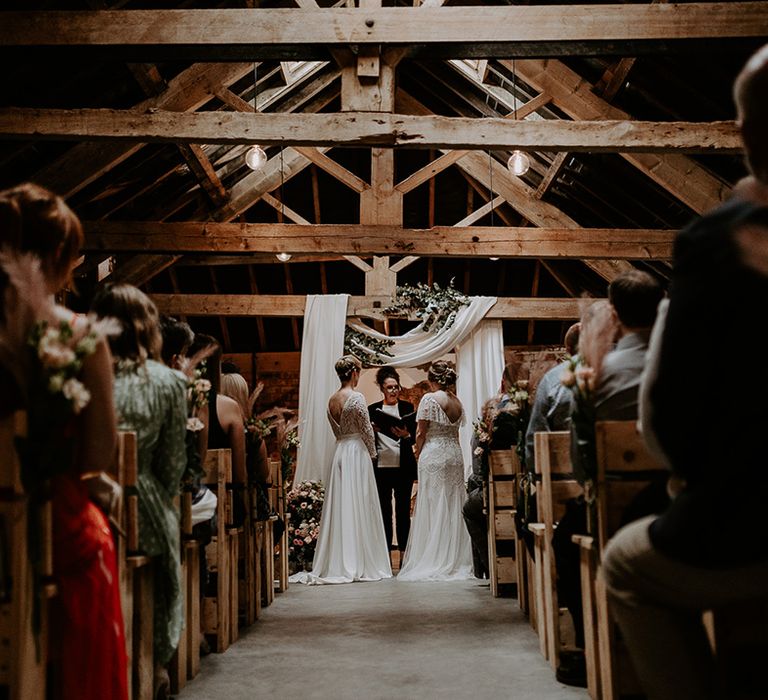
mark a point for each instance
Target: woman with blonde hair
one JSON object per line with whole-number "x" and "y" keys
{"x": 439, "y": 548}
{"x": 71, "y": 433}
{"x": 351, "y": 545}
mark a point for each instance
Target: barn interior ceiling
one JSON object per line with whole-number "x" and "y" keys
{"x": 170, "y": 204}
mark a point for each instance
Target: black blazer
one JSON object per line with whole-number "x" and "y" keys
{"x": 407, "y": 459}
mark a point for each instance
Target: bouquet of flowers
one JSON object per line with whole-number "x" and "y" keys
{"x": 45, "y": 349}
{"x": 305, "y": 504}
{"x": 288, "y": 450}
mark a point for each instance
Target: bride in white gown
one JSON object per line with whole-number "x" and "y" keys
{"x": 439, "y": 548}
{"x": 351, "y": 545}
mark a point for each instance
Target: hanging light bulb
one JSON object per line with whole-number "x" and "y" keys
{"x": 494, "y": 259}
{"x": 255, "y": 158}
{"x": 283, "y": 257}
{"x": 518, "y": 163}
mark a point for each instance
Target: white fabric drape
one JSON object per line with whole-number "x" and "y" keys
{"x": 322, "y": 344}
{"x": 479, "y": 364}
{"x": 418, "y": 347}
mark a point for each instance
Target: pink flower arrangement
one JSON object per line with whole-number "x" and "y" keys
{"x": 305, "y": 504}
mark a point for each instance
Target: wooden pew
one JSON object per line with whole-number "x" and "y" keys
{"x": 624, "y": 468}
{"x": 220, "y": 611}
{"x": 22, "y": 669}
{"x": 277, "y": 498}
{"x": 185, "y": 663}
{"x": 556, "y": 485}
{"x": 136, "y": 576}
{"x": 503, "y": 471}
{"x": 249, "y": 566}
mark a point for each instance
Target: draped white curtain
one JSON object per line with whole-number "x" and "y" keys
{"x": 480, "y": 363}
{"x": 322, "y": 344}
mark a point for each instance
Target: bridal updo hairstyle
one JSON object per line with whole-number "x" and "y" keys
{"x": 442, "y": 373}
{"x": 346, "y": 365}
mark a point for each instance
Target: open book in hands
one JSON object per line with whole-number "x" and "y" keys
{"x": 386, "y": 422}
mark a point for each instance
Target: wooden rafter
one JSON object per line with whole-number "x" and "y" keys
{"x": 522, "y": 308}
{"x": 382, "y": 239}
{"x": 370, "y": 129}
{"x": 245, "y": 34}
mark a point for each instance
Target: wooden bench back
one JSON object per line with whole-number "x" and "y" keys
{"x": 217, "y": 469}
{"x": 22, "y": 669}
{"x": 128, "y": 475}
{"x": 556, "y": 483}
{"x": 624, "y": 468}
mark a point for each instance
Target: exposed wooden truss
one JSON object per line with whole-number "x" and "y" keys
{"x": 249, "y": 34}
{"x": 370, "y": 129}
{"x": 465, "y": 241}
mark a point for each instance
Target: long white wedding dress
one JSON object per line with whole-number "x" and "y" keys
{"x": 351, "y": 545}
{"x": 439, "y": 548}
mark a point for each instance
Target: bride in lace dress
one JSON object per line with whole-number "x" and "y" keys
{"x": 351, "y": 545}
{"x": 439, "y": 547}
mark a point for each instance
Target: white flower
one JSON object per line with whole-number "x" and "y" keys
{"x": 76, "y": 393}
{"x": 88, "y": 344}
{"x": 308, "y": 539}
{"x": 479, "y": 451}
{"x": 202, "y": 386}
{"x": 194, "y": 424}
{"x": 54, "y": 354}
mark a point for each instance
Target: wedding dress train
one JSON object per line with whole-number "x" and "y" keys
{"x": 439, "y": 548}
{"x": 351, "y": 545}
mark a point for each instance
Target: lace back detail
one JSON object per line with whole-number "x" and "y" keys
{"x": 354, "y": 421}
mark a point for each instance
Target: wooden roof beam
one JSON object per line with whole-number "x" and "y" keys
{"x": 346, "y": 239}
{"x": 370, "y": 129}
{"x": 253, "y": 34}
{"x": 521, "y": 308}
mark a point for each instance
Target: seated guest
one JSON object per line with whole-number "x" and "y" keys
{"x": 662, "y": 572}
{"x": 86, "y": 643}
{"x": 151, "y": 399}
{"x": 633, "y": 298}
{"x": 553, "y": 402}
{"x": 394, "y": 465}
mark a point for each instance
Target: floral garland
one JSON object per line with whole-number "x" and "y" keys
{"x": 305, "y": 505}
{"x": 434, "y": 305}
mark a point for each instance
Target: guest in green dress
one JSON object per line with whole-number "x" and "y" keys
{"x": 151, "y": 400}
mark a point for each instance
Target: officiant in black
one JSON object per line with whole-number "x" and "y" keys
{"x": 394, "y": 423}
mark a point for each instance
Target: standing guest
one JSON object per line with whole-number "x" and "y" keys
{"x": 226, "y": 425}
{"x": 662, "y": 572}
{"x": 553, "y": 403}
{"x": 351, "y": 545}
{"x": 151, "y": 399}
{"x": 395, "y": 465}
{"x": 87, "y": 643}
{"x": 439, "y": 548}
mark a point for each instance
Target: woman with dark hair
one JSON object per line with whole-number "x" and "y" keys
{"x": 151, "y": 399}
{"x": 70, "y": 434}
{"x": 395, "y": 465}
{"x": 351, "y": 545}
{"x": 439, "y": 548}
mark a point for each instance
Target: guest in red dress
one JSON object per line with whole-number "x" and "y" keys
{"x": 87, "y": 643}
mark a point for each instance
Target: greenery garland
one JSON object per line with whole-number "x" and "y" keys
{"x": 436, "y": 307}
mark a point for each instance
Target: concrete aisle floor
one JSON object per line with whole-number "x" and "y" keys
{"x": 387, "y": 639}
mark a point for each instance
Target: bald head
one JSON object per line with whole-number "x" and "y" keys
{"x": 750, "y": 93}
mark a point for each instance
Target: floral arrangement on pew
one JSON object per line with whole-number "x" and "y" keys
{"x": 305, "y": 505}
{"x": 503, "y": 425}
